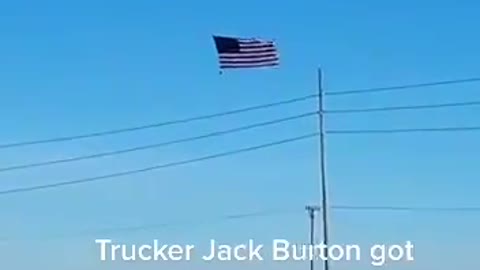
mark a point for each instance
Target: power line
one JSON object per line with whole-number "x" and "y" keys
{"x": 231, "y": 112}
{"x": 399, "y": 108}
{"x": 171, "y": 224}
{"x": 158, "y": 124}
{"x": 259, "y": 214}
{"x": 406, "y": 130}
{"x": 158, "y": 145}
{"x": 157, "y": 167}
{"x": 265, "y": 213}
{"x": 406, "y": 208}
{"x": 402, "y": 87}
{"x": 228, "y": 217}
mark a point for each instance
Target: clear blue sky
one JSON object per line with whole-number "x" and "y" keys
{"x": 70, "y": 68}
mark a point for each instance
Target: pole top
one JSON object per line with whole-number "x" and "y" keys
{"x": 312, "y": 208}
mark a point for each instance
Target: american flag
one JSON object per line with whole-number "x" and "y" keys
{"x": 246, "y": 53}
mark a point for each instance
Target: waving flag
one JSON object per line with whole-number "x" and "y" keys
{"x": 245, "y": 53}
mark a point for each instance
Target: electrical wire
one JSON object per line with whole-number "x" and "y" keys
{"x": 166, "y": 225}
{"x": 157, "y": 145}
{"x": 255, "y": 214}
{"x": 406, "y": 208}
{"x": 231, "y": 112}
{"x": 267, "y": 213}
{"x": 157, "y": 167}
{"x": 399, "y": 108}
{"x": 228, "y": 217}
{"x": 254, "y": 148}
{"x": 406, "y": 130}
{"x": 402, "y": 87}
{"x": 158, "y": 124}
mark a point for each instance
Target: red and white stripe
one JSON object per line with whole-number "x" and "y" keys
{"x": 252, "y": 53}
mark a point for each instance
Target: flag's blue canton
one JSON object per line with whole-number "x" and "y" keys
{"x": 226, "y": 45}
